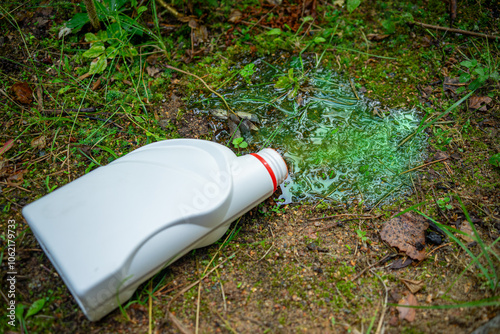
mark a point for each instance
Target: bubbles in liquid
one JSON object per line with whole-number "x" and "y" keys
{"x": 338, "y": 146}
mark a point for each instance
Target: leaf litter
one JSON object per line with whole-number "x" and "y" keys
{"x": 407, "y": 233}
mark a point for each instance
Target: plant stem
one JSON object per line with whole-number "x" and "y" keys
{"x": 206, "y": 85}
{"x": 459, "y": 31}
{"x": 91, "y": 12}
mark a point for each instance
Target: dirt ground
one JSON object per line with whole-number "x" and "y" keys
{"x": 299, "y": 268}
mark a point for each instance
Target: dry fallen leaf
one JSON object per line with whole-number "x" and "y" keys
{"x": 407, "y": 233}
{"x": 235, "y": 16}
{"x": 452, "y": 84}
{"x": 38, "y": 142}
{"x": 476, "y": 102}
{"x": 465, "y": 227}
{"x": 412, "y": 285}
{"x": 401, "y": 263}
{"x": 96, "y": 85}
{"x": 152, "y": 71}
{"x": 16, "y": 179}
{"x": 406, "y": 312}
{"x": 7, "y": 146}
{"x": 22, "y": 92}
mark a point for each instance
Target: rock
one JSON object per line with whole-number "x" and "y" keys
{"x": 219, "y": 113}
{"x": 248, "y": 116}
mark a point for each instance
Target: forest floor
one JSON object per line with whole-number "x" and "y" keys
{"x": 313, "y": 267}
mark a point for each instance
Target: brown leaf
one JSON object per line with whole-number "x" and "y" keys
{"x": 406, "y": 232}
{"x": 7, "y": 146}
{"x": 465, "y": 227}
{"x": 38, "y": 142}
{"x": 16, "y": 179}
{"x": 399, "y": 263}
{"x": 200, "y": 34}
{"x": 440, "y": 155}
{"x": 152, "y": 71}
{"x": 22, "y": 92}
{"x": 452, "y": 84}
{"x": 476, "y": 102}
{"x": 412, "y": 285}
{"x": 96, "y": 85}
{"x": 406, "y": 312}
{"x": 235, "y": 16}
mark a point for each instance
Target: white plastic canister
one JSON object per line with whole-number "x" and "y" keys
{"x": 112, "y": 229}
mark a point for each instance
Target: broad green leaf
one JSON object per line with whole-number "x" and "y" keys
{"x": 479, "y": 70}
{"x": 94, "y": 51}
{"x": 102, "y": 35}
{"x": 35, "y": 307}
{"x": 116, "y": 5}
{"x": 389, "y": 26}
{"x": 98, "y": 65}
{"x": 247, "y": 70}
{"x": 243, "y": 144}
{"x": 91, "y": 38}
{"x": 141, "y": 10}
{"x": 475, "y": 84}
{"x": 19, "y": 312}
{"x": 307, "y": 18}
{"x": 64, "y": 89}
{"x": 318, "y": 40}
{"x": 464, "y": 77}
{"x": 78, "y": 21}
{"x": 352, "y": 5}
{"x": 129, "y": 51}
{"x": 495, "y": 160}
{"x": 111, "y": 52}
{"x": 495, "y": 76}
{"x": 275, "y": 31}
{"x": 282, "y": 82}
{"x": 469, "y": 63}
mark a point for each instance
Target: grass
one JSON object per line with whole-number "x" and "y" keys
{"x": 487, "y": 272}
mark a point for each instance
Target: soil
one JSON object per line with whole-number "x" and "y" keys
{"x": 286, "y": 269}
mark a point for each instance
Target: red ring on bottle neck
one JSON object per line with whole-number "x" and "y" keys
{"x": 269, "y": 169}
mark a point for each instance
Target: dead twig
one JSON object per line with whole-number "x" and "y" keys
{"x": 198, "y": 304}
{"x": 328, "y": 227}
{"x": 388, "y": 256}
{"x": 263, "y": 17}
{"x": 170, "y": 315}
{"x": 354, "y": 216}
{"x": 435, "y": 249}
{"x": 170, "y": 9}
{"x": 418, "y": 167}
{"x": 56, "y": 112}
{"x": 384, "y": 304}
{"x": 252, "y": 23}
{"x": 150, "y": 313}
{"x": 458, "y": 31}
{"x": 272, "y": 245}
{"x": 206, "y": 85}
{"x": 353, "y": 89}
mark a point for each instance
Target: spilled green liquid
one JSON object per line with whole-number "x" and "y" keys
{"x": 338, "y": 147}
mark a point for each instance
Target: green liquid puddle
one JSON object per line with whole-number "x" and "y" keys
{"x": 336, "y": 149}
